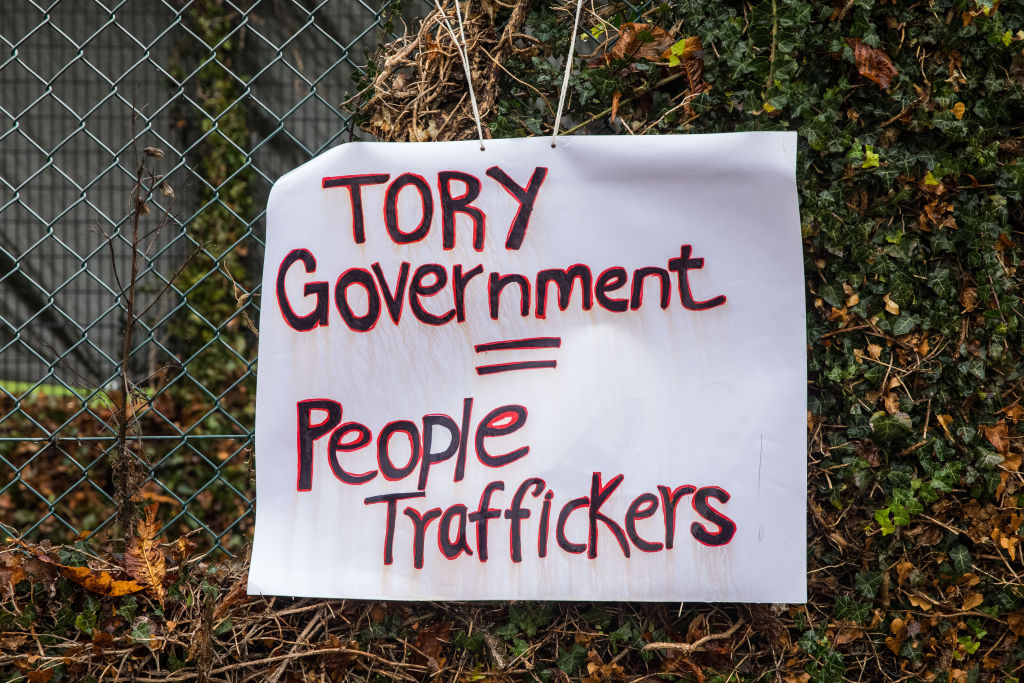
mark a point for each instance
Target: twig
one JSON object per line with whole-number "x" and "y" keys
{"x": 688, "y": 648}
{"x": 298, "y": 643}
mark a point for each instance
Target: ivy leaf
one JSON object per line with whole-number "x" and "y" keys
{"x": 885, "y": 521}
{"x": 571, "y": 660}
{"x": 868, "y": 583}
{"x": 886, "y": 428}
{"x": 870, "y": 157}
{"x": 832, "y": 294}
{"x": 961, "y": 559}
{"x": 904, "y": 324}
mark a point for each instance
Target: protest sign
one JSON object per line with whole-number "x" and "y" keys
{"x": 534, "y": 373}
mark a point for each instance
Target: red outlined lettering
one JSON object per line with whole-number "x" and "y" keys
{"x": 391, "y": 208}
{"x": 726, "y": 527}
{"x": 319, "y": 314}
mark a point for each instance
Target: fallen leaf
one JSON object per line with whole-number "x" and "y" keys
{"x": 237, "y": 592}
{"x": 998, "y": 436}
{"x": 145, "y": 560}
{"x": 182, "y": 548}
{"x": 903, "y": 570}
{"x": 1013, "y": 412}
{"x": 969, "y": 579}
{"x": 41, "y": 676}
{"x": 890, "y": 305}
{"x": 641, "y": 41}
{"x": 11, "y": 571}
{"x": 1016, "y": 623}
{"x": 969, "y": 298}
{"x": 428, "y": 644}
{"x": 945, "y": 421}
{"x": 875, "y": 350}
{"x": 958, "y": 110}
{"x": 848, "y": 635}
{"x": 99, "y": 581}
{"x": 971, "y": 601}
{"x": 873, "y": 63}
{"x": 102, "y": 639}
{"x": 1012, "y": 461}
{"x": 95, "y": 580}
{"x": 616, "y": 96}
{"x": 921, "y": 602}
{"x": 898, "y": 628}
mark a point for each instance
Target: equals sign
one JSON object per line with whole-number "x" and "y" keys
{"x": 513, "y": 344}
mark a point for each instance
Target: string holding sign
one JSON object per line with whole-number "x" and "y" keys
{"x": 464, "y": 57}
{"x": 568, "y": 69}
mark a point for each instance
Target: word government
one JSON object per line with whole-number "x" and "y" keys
{"x": 437, "y": 294}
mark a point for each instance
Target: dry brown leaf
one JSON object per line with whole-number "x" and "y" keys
{"x": 429, "y": 642}
{"x": 1013, "y": 412}
{"x": 998, "y": 436}
{"x": 848, "y": 635}
{"x": 145, "y": 560}
{"x": 903, "y": 570}
{"x": 101, "y": 639}
{"x": 875, "y": 350}
{"x": 41, "y": 676}
{"x": 1012, "y": 462}
{"x": 945, "y": 421}
{"x": 969, "y": 579}
{"x": 969, "y": 298}
{"x": 182, "y": 548}
{"x": 237, "y": 593}
{"x": 599, "y": 672}
{"x": 1009, "y": 544}
{"x": 972, "y": 600}
{"x": 99, "y": 581}
{"x": 921, "y": 602}
{"x": 958, "y": 110}
{"x": 873, "y": 63}
{"x": 890, "y": 305}
{"x": 95, "y": 580}
{"x": 616, "y": 96}
{"x": 892, "y": 403}
{"x": 898, "y": 628}
{"x": 641, "y": 41}
{"x": 11, "y": 571}
{"x": 1016, "y": 623}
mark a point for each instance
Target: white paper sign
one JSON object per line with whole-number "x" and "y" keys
{"x": 535, "y": 373}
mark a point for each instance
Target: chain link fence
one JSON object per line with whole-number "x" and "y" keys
{"x": 233, "y": 94}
